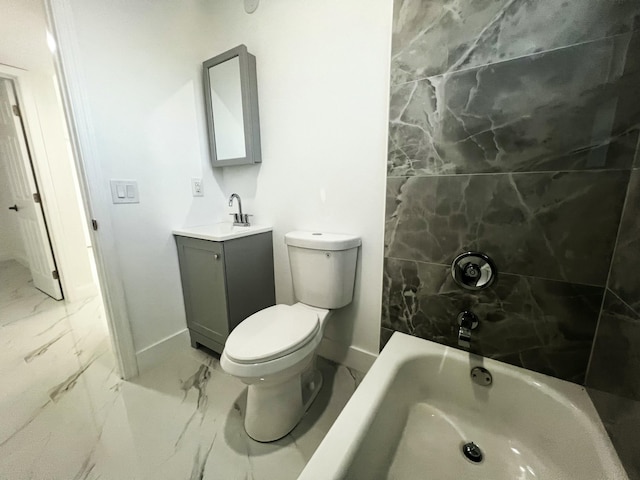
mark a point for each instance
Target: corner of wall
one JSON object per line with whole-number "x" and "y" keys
{"x": 347, "y": 355}
{"x": 155, "y": 354}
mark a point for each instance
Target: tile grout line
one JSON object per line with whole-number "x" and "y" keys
{"x": 448, "y": 73}
{"x": 527, "y": 172}
{"x": 633, "y": 310}
{"x": 503, "y": 273}
{"x": 606, "y": 287}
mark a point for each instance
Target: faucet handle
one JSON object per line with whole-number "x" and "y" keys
{"x": 241, "y": 220}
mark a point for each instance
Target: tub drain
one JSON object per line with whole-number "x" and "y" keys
{"x": 472, "y": 452}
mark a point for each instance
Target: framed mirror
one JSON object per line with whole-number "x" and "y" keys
{"x": 231, "y": 102}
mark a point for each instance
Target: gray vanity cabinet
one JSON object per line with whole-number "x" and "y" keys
{"x": 223, "y": 283}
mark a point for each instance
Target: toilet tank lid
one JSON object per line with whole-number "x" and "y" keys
{"x": 322, "y": 240}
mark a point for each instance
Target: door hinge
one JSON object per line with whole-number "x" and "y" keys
{"x": 36, "y": 198}
{"x": 16, "y": 110}
{"x": 94, "y": 224}
{"x": 55, "y": 275}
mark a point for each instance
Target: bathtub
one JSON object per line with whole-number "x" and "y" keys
{"x": 418, "y": 406}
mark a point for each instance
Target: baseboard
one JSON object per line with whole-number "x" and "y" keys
{"x": 155, "y": 354}
{"x": 81, "y": 292}
{"x": 347, "y": 355}
{"x": 5, "y": 256}
{"x": 22, "y": 261}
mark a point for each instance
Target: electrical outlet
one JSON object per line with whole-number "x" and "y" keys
{"x": 196, "y": 187}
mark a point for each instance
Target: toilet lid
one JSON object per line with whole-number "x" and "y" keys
{"x": 271, "y": 333}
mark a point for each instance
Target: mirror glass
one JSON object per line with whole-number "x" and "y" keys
{"x": 226, "y": 103}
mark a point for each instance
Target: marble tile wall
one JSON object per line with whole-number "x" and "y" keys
{"x": 614, "y": 372}
{"x": 514, "y": 128}
{"x": 621, "y": 418}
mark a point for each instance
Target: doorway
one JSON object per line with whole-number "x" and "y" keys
{"x": 30, "y": 58}
{"x": 25, "y": 232}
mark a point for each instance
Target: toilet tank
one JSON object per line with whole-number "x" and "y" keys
{"x": 323, "y": 267}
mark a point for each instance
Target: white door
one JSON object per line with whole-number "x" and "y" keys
{"x": 15, "y": 153}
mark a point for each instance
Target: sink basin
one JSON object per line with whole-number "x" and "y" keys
{"x": 418, "y": 408}
{"x": 219, "y": 232}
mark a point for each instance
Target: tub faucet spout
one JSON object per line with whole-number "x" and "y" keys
{"x": 467, "y": 320}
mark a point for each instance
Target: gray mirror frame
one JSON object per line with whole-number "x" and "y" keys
{"x": 249, "y": 89}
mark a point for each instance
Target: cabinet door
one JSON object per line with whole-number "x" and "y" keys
{"x": 203, "y": 285}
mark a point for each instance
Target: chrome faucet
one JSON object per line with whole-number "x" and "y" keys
{"x": 467, "y": 321}
{"x": 239, "y": 219}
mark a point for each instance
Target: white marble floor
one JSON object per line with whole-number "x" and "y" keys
{"x": 65, "y": 414}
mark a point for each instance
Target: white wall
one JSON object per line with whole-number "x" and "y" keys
{"x": 141, "y": 65}
{"x": 323, "y": 90}
{"x": 11, "y": 247}
{"x": 26, "y": 58}
{"x": 323, "y": 69}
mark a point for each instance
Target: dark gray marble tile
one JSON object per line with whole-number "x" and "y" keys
{"x": 550, "y": 225}
{"x": 625, "y": 279}
{"x": 615, "y": 362}
{"x": 542, "y": 325}
{"x": 545, "y": 112}
{"x": 385, "y": 336}
{"x": 392, "y": 204}
{"x": 431, "y": 37}
{"x": 621, "y": 418}
{"x": 412, "y": 150}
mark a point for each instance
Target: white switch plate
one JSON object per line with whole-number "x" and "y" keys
{"x": 124, "y": 191}
{"x": 196, "y": 187}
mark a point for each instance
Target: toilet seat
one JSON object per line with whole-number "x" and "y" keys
{"x": 271, "y": 333}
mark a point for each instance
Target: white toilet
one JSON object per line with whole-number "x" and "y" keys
{"x": 272, "y": 351}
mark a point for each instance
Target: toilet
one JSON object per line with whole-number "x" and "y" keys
{"x": 273, "y": 350}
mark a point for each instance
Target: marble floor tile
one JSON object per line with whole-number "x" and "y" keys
{"x": 66, "y": 414}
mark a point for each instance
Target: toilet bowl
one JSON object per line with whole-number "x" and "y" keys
{"x": 277, "y": 365}
{"x": 273, "y": 350}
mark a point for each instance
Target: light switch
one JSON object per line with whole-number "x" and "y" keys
{"x": 124, "y": 191}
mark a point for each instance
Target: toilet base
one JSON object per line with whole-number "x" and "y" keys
{"x": 311, "y": 386}
{"x": 274, "y": 408}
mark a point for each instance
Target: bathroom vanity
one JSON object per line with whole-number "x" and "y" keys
{"x": 227, "y": 275}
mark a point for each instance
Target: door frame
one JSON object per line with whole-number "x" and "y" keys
{"x": 91, "y": 181}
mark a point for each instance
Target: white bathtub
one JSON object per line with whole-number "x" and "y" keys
{"x": 417, "y": 406}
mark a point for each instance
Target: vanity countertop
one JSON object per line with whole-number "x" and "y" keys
{"x": 219, "y": 232}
